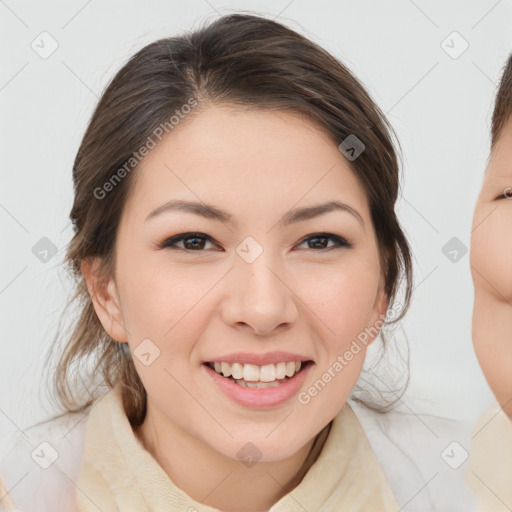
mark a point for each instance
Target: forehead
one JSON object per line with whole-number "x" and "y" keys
{"x": 250, "y": 157}
{"x": 224, "y": 134}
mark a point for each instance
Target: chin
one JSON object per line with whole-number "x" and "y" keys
{"x": 260, "y": 448}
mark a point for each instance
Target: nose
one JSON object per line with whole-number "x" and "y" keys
{"x": 258, "y": 298}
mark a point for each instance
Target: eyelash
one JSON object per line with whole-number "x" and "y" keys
{"x": 507, "y": 194}
{"x": 169, "y": 243}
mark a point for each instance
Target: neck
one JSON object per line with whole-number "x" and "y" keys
{"x": 218, "y": 481}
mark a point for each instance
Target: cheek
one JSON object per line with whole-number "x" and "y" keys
{"x": 160, "y": 301}
{"x": 339, "y": 306}
{"x": 165, "y": 311}
{"x": 343, "y": 298}
{"x": 339, "y": 309}
{"x": 491, "y": 254}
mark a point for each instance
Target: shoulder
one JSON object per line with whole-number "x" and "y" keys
{"x": 39, "y": 465}
{"x": 424, "y": 457}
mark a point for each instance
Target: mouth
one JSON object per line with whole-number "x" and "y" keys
{"x": 253, "y": 376}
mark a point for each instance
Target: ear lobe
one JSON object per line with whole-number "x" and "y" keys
{"x": 104, "y": 296}
{"x": 382, "y": 303}
{"x": 379, "y": 311}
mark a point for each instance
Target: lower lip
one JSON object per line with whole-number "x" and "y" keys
{"x": 259, "y": 398}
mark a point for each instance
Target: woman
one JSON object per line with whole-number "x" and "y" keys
{"x": 237, "y": 251}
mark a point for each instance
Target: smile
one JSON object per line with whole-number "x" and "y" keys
{"x": 256, "y": 386}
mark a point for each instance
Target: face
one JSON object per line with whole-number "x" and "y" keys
{"x": 491, "y": 250}
{"x": 243, "y": 283}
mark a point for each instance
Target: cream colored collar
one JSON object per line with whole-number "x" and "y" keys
{"x": 118, "y": 474}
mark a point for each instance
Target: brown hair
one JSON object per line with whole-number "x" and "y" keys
{"x": 502, "y": 103}
{"x": 242, "y": 60}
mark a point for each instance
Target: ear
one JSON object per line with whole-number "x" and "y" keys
{"x": 379, "y": 311}
{"x": 105, "y": 298}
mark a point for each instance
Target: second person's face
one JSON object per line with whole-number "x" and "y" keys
{"x": 491, "y": 268}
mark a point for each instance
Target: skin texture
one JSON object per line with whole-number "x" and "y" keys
{"x": 491, "y": 250}
{"x": 203, "y": 303}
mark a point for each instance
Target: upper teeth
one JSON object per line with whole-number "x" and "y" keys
{"x": 254, "y": 373}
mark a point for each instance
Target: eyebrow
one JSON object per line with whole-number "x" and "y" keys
{"x": 291, "y": 217}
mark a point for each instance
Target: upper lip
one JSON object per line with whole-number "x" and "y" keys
{"x": 258, "y": 359}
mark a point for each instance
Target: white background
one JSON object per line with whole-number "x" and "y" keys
{"x": 439, "y": 106}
